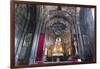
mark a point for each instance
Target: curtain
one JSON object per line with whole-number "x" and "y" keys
{"x": 39, "y": 54}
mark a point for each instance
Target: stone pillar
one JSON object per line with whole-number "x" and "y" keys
{"x": 87, "y": 28}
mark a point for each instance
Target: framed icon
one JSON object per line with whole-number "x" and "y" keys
{"x": 49, "y": 34}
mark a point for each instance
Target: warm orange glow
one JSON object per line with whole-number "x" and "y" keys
{"x": 58, "y": 46}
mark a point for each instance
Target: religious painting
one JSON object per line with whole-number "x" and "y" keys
{"x": 48, "y": 34}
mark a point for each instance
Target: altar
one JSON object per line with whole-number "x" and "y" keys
{"x": 59, "y": 47}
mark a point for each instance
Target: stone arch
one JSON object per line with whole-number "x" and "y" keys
{"x": 65, "y": 20}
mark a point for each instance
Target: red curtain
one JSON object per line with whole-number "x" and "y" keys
{"x": 40, "y": 48}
